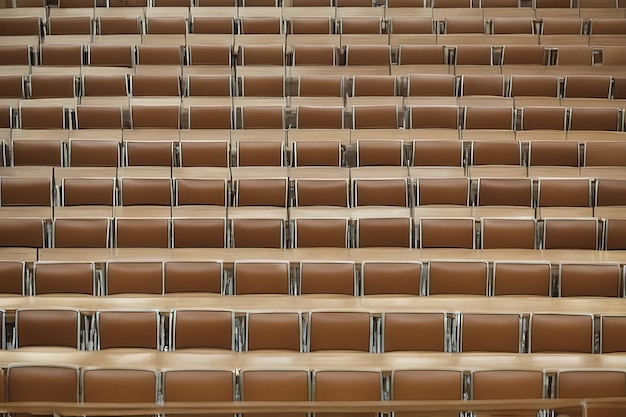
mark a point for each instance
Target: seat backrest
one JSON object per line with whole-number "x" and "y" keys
{"x": 25, "y": 191}
{"x": 348, "y": 386}
{"x": 375, "y": 117}
{"x": 274, "y": 331}
{"x": 447, "y": 191}
{"x": 257, "y": 233}
{"x": 12, "y": 86}
{"x": 496, "y": 153}
{"x": 564, "y": 192}
{"x": 262, "y": 192}
{"x": 523, "y": 278}
{"x": 535, "y": 85}
{"x": 119, "y": 25}
{"x": 155, "y": 85}
{"x": 310, "y": 233}
{"x": 581, "y": 55}
{"x": 421, "y": 55}
{"x": 119, "y": 386}
{"x": 473, "y": 55}
{"x": 146, "y": 191}
{"x": 260, "y": 25}
{"x": 414, "y": 332}
{"x": 314, "y": 55}
{"x": 262, "y": 278}
{"x": 134, "y": 278}
{"x": 262, "y": 55}
{"x": 13, "y": 274}
{"x": 372, "y": 55}
{"x": 589, "y": 280}
{"x": 48, "y": 328}
{"x": 203, "y": 153}
{"x": 490, "y": 333}
{"x": 320, "y": 86}
{"x": 426, "y": 385}
{"x": 553, "y": 4}
{"x": 391, "y": 277}
{"x": 457, "y": 278}
{"x": 127, "y": 329}
{"x": 552, "y": 333}
{"x": 373, "y": 85}
{"x": 155, "y": 117}
{"x": 384, "y": 232}
{"x": 604, "y": 153}
{"x": 446, "y": 4}
{"x": 360, "y": 25}
{"x": 523, "y": 54}
{"x": 142, "y": 232}
{"x": 20, "y": 26}
{"x": 210, "y": 117}
{"x": 265, "y": 117}
{"x": 203, "y": 329}
{"x": 69, "y": 25}
{"x": 380, "y": 153}
{"x": 201, "y": 191}
{"x": 322, "y": 192}
{"x": 159, "y": 55}
{"x": 587, "y": 86}
{"x": 209, "y": 85}
{"x": 311, "y": 25}
{"x": 614, "y": 234}
{"x": 105, "y": 85}
{"x": 440, "y": 152}
{"x": 96, "y": 117}
{"x": 62, "y": 277}
{"x": 472, "y": 24}
{"x": 201, "y": 54}
{"x": 600, "y": 26}
{"x": 612, "y": 334}
{"x": 253, "y": 153}
{"x": 509, "y": 385}
{"x": 561, "y": 26}
{"x": 147, "y": 153}
{"x": 380, "y": 192}
{"x": 259, "y": 385}
{"x": 22, "y": 232}
{"x": 409, "y": 24}
{"x": 88, "y": 191}
{"x": 515, "y": 233}
{"x": 610, "y": 192}
{"x": 486, "y": 117}
{"x": 315, "y": 117}
{"x": 166, "y": 25}
{"x": 339, "y": 331}
{"x": 570, "y": 234}
{"x": 199, "y": 232}
{"x": 328, "y": 278}
{"x": 544, "y": 118}
{"x": 111, "y": 55}
{"x": 513, "y": 25}
{"x": 553, "y": 153}
{"x": 591, "y": 384}
{"x": 198, "y": 385}
{"x": 52, "y": 86}
{"x": 313, "y": 153}
{"x": 447, "y": 233}
{"x": 193, "y": 277}
{"x": 443, "y": 85}
{"x": 505, "y": 192}
{"x": 82, "y": 233}
{"x": 263, "y": 86}
{"x": 42, "y": 383}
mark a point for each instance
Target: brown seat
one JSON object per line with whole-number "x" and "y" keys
{"x": 16, "y": 55}
{"x": 203, "y": 154}
{"x": 257, "y": 233}
{"x": 500, "y": 233}
{"x": 437, "y": 153}
{"x": 384, "y": 232}
{"x": 99, "y": 117}
{"x": 447, "y": 233}
{"x": 12, "y": 86}
{"x": 570, "y": 234}
{"x": 262, "y": 192}
{"x": 22, "y": 232}
{"x": 62, "y": 55}
{"x": 257, "y": 153}
{"x": 390, "y": 277}
{"x": 372, "y": 55}
{"x": 199, "y": 232}
{"x": 155, "y": 117}
{"x": 311, "y": 25}
{"x": 82, "y": 233}
{"x": 553, "y": 153}
{"x": 181, "y": 277}
{"x": 619, "y": 87}
{"x": 473, "y": 55}
{"x": 267, "y": 385}
{"x": 88, "y": 191}
{"x": 421, "y": 55}
{"x": 347, "y": 386}
{"x": 561, "y": 26}
{"x": 485, "y": 117}
{"x": 263, "y": 86}
{"x": 523, "y": 278}
{"x": 209, "y": 85}
{"x": 155, "y": 85}
{"x": 20, "y": 26}
{"x": 210, "y": 117}
{"x": 604, "y": 154}
{"x": 423, "y": 332}
{"x": 451, "y": 3}
{"x": 64, "y": 278}
{"x": 587, "y": 86}
{"x": 142, "y": 232}
{"x": 48, "y": 328}
{"x": 594, "y": 118}
{"x": 614, "y": 234}
{"x": 328, "y": 278}
{"x": 490, "y": 333}
{"x": 555, "y": 4}
{"x": 505, "y": 192}
{"x": 262, "y": 278}
{"x": 198, "y": 385}
{"x": 281, "y": 331}
{"x": 438, "y": 117}
{"x": 166, "y": 25}
{"x": 114, "y": 85}
{"x": 380, "y": 153}
{"x": 455, "y": 24}
{"x": 469, "y": 278}
{"x": 265, "y": 117}
{"x": 513, "y": 25}
{"x": 339, "y": 331}
{"x": 314, "y": 55}
{"x": 200, "y": 191}
{"x": 260, "y": 25}
{"x": 26, "y": 191}
{"x": 13, "y": 274}
{"x": 119, "y": 25}
{"x": 380, "y": 192}
{"x": 6, "y": 122}
{"x": 52, "y": 117}
{"x": 429, "y": 85}
{"x": 522, "y": 54}
{"x": 509, "y": 385}
{"x": 550, "y": 333}
{"x": 612, "y": 339}
{"x": 147, "y": 153}
{"x": 311, "y": 233}
{"x": 564, "y": 192}
{"x": 320, "y": 86}
{"x": 316, "y": 117}
{"x": 262, "y": 55}
{"x": 146, "y": 191}
{"x": 213, "y": 25}
{"x": 544, "y": 118}
{"x": 591, "y": 384}
{"x": 312, "y": 153}
{"x": 127, "y": 329}
{"x": 119, "y": 386}
{"x": 42, "y": 383}
{"x": 589, "y": 280}
{"x": 159, "y": 55}
{"x": 134, "y": 278}
{"x": 534, "y": 85}
{"x": 360, "y": 25}
{"x": 375, "y": 117}
{"x": 210, "y": 55}
{"x": 373, "y": 85}
{"x": 426, "y": 385}
{"x": 203, "y": 329}
{"x": 52, "y": 86}
{"x": 496, "y": 153}
{"x": 111, "y": 56}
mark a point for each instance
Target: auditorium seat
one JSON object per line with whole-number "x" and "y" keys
{"x": 447, "y": 232}
{"x": 155, "y": 117}
{"x": 488, "y": 122}
{"x": 614, "y": 234}
{"x": 560, "y": 333}
{"x": 441, "y": 195}
{"x": 15, "y": 191}
{"x": 42, "y": 383}
{"x": 420, "y": 59}
{"x": 474, "y": 59}
{"x": 562, "y": 31}
{"x": 432, "y": 385}
{"x": 521, "y": 278}
{"x": 13, "y": 277}
{"x": 134, "y": 278}
{"x": 431, "y": 88}
{"x": 104, "y": 90}
{"x": 391, "y": 277}
{"x": 202, "y": 330}
{"x": 564, "y": 233}
{"x": 612, "y": 332}
{"x": 282, "y": 331}
{"x": 126, "y": 329}
{"x": 211, "y": 117}
{"x": 198, "y": 385}
{"x": 429, "y": 155}
{"x": 269, "y": 385}
{"x": 591, "y": 384}
{"x": 270, "y": 117}
{"x": 81, "y": 232}
{"x": 490, "y": 333}
{"x": 320, "y": 232}
{"x": 553, "y": 158}
{"x": 423, "y": 332}
{"x": 507, "y": 384}
{"x": 119, "y": 28}
{"x": 601, "y": 159}
{"x": 589, "y": 280}
{"x": 442, "y": 121}
{"x": 148, "y": 191}
{"x": 64, "y": 278}
{"x": 347, "y": 386}
{"x": 468, "y": 278}
{"x": 512, "y": 192}
{"x": 149, "y": 232}
{"x": 361, "y": 31}
{"x": 406, "y": 29}
{"x": 380, "y": 192}
{"x": 379, "y": 153}
{"x": 328, "y": 278}
{"x": 262, "y": 278}
{"x": 496, "y": 158}
{"x": 190, "y": 277}
{"x": 508, "y": 233}
{"x": 534, "y": 90}
{"x": 317, "y": 117}
{"x": 148, "y": 153}
{"x": 339, "y": 331}
{"x": 313, "y": 153}
{"x": 155, "y": 85}
{"x": 562, "y": 197}
{"x": 194, "y": 153}
{"x": 605, "y": 31}
{"x": 102, "y": 385}
{"x": 388, "y": 231}
{"x": 103, "y": 56}
{"x": 375, "y": 117}
{"x": 22, "y": 232}
{"x": 60, "y": 328}
{"x": 374, "y": 89}
{"x": 257, "y": 231}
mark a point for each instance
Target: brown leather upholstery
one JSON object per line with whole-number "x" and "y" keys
{"x": 76, "y": 4}
{"x": 259, "y": 385}
{"x": 134, "y": 278}
{"x": 552, "y": 333}
{"x": 322, "y": 192}
{"x": 522, "y": 54}
{"x": 570, "y": 234}
{"x": 505, "y": 192}
{"x": 380, "y": 192}
{"x": 561, "y": 26}
{"x": 263, "y": 117}
{"x": 198, "y": 385}
{"x": 42, "y": 383}
{"x": 203, "y": 154}
{"x": 64, "y": 55}
{"x": 391, "y": 277}
{"x": 111, "y": 55}
{"x": 339, "y": 331}
{"x": 48, "y": 328}
{"x": 19, "y": 26}
{"x": 209, "y": 85}
{"x": 310, "y": 117}
{"x": 496, "y": 153}
{"x": 380, "y": 153}
{"x": 510, "y": 278}
{"x": 255, "y": 153}
{"x": 22, "y": 232}
{"x": 441, "y": 117}
{"x": 437, "y": 153}
{"x": 127, "y": 329}
{"x": 274, "y": 331}
{"x": 259, "y": 3}
{"x": 42, "y": 117}
{"x": 553, "y": 153}
{"x": 69, "y": 25}
{"x": 409, "y": 24}
{"x": 171, "y": 3}
{"x": 421, "y": 55}
{"x": 149, "y": 153}
{"x": 69, "y": 278}
{"x": 320, "y": 86}
{"x": 312, "y": 153}
{"x": 508, "y": 233}
{"x": 155, "y": 117}
{"x": 495, "y": 385}
{"x": 514, "y": 25}
{"x": 613, "y": 331}
{"x": 262, "y": 192}
{"x": 260, "y": 25}
{"x": 469, "y": 278}
{"x": 119, "y": 386}
{"x": 534, "y": 85}
{"x": 94, "y": 153}
{"x": 490, "y": 333}
{"x": 540, "y": 4}
{"x": 311, "y": 233}
{"x": 81, "y": 233}
{"x": 88, "y": 191}
{"x": 199, "y": 233}
{"x": 159, "y": 55}
{"x": 375, "y": 117}
{"x": 166, "y": 25}
{"x": 360, "y": 25}
{"x": 210, "y": 55}
{"x": 52, "y": 86}
{"x": 119, "y": 25}
{"x": 591, "y": 280}
{"x": 213, "y": 25}
{"x": 347, "y": 386}
{"x": 443, "y": 85}
{"x": 193, "y": 277}
{"x": 353, "y": 3}
{"x": 311, "y": 25}
{"x": 200, "y": 191}
{"x": 587, "y": 86}
{"x": 105, "y": 85}
{"x": 12, "y": 86}
{"x": 384, "y": 232}
{"x": 210, "y": 117}
{"x": 257, "y": 233}
{"x": 447, "y": 233}
{"x": 146, "y": 191}
{"x": 414, "y": 332}
{"x": 203, "y": 329}
{"x": 263, "y": 86}
{"x": 600, "y": 26}
{"x": 142, "y": 233}
{"x": 604, "y": 153}
{"x": 453, "y": 191}
{"x": 426, "y": 385}
{"x": 451, "y": 3}
{"x": 375, "y": 55}
{"x": 473, "y": 55}
{"x": 568, "y": 192}
{"x": 155, "y": 85}
{"x": 314, "y": 55}
{"x": 310, "y": 3}
{"x": 591, "y": 384}
{"x": 615, "y": 231}
{"x": 464, "y": 25}
{"x": 619, "y": 87}
{"x": 12, "y": 273}
{"x": 26, "y": 191}
{"x": 489, "y": 118}
{"x": 262, "y": 55}
{"x": 596, "y": 118}
{"x": 262, "y": 278}
{"x": 327, "y": 278}
{"x": 544, "y": 118}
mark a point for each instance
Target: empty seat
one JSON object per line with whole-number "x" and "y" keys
{"x": 339, "y": 331}
{"x": 16, "y": 55}
{"x": 261, "y": 385}
{"x": 147, "y": 153}
{"x": 371, "y": 55}
{"x": 431, "y": 85}
{"x": 375, "y": 117}
{"x": 320, "y": 86}
{"x": 561, "y": 26}
{"x": 614, "y": 234}
{"x": 20, "y": 26}
{"x": 447, "y": 233}
{"x": 316, "y": 117}
{"x": 262, "y": 55}
{"x": 13, "y": 274}
{"x": 146, "y": 191}
{"x": 88, "y": 191}
{"x": 210, "y": 117}
{"x": 209, "y": 85}
{"x": 490, "y": 333}
{"x": 52, "y": 86}
{"x": 587, "y": 86}
{"x": 312, "y": 153}
{"x": 61, "y": 55}
{"x": 484, "y": 117}
{"x": 260, "y": 25}
{"x": 13, "y": 86}
{"x": 114, "y": 85}
{"x": 496, "y": 153}
{"x": 534, "y": 86}
{"x": 99, "y": 117}
{"x": 64, "y": 278}
{"x": 262, "y": 278}
{"x": 553, "y": 153}
{"x": 444, "y": 153}
{"x": 159, "y": 55}
{"x": 591, "y": 384}
{"x": 182, "y": 277}
{"x": 263, "y": 117}
{"x": 25, "y": 191}
{"x": 380, "y": 192}
{"x": 142, "y": 232}
{"x": 198, "y": 385}
{"x": 47, "y": 328}
{"x": 22, "y": 232}
{"x": 127, "y": 329}
{"x": 327, "y": 278}
{"x": 219, "y": 55}
{"x": 203, "y": 329}
{"x": 314, "y": 55}
{"x": 201, "y": 191}
{"x": 199, "y": 232}
{"x": 82, "y": 233}
{"x": 574, "y": 55}
{"x": 570, "y": 234}
{"x": 250, "y": 154}
{"x": 27, "y": 383}
{"x": 274, "y": 331}
{"x": 513, "y": 25}
{"x": 213, "y": 25}
{"x": 451, "y": 3}
{"x": 509, "y": 385}
{"x": 469, "y": 278}
{"x": 482, "y": 85}
{"x": 321, "y": 192}
{"x": 155, "y": 117}
{"x": 473, "y": 55}
{"x": 514, "y": 233}
{"x": 166, "y": 25}
{"x": 111, "y": 56}
{"x": 310, "y": 233}
{"x": 612, "y": 332}
{"x": 380, "y": 153}
{"x": 155, "y": 85}
{"x": 119, "y": 25}
{"x": 589, "y": 280}
{"x": 263, "y": 86}
{"x": 261, "y": 192}
{"x": 391, "y": 277}
{"x": 565, "y": 192}
{"x": 604, "y": 154}
{"x": 464, "y": 25}
{"x": 523, "y": 278}
{"x": 134, "y": 278}
{"x": 554, "y": 4}
{"x": 384, "y": 232}
{"x": 421, "y": 55}
{"x": 426, "y": 385}
{"x": 52, "y": 117}
{"x": 257, "y": 233}
{"x": 347, "y": 386}
{"x": 423, "y": 332}
{"x": 119, "y": 386}
{"x": 550, "y": 333}
{"x": 505, "y": 192}
{"x": 442, "y": 191}
{"x": 203, "y": 153}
